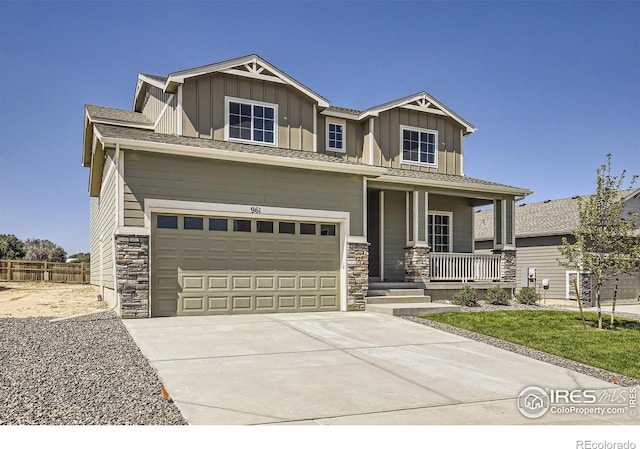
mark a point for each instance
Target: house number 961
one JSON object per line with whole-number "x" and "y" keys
{"x": 255, "y": 210}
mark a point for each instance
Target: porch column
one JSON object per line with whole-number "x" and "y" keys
{"x": 504, "y": 242}
{"x": 416, "y": 253}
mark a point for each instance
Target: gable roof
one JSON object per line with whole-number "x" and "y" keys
{"x": 550, "y": 217}
{"x": 424, "y": 102}
{"x": 252, "y": 65}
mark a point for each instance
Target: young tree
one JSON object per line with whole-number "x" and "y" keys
{"x": 11, "y": 247}
{"x": 606, "y": 243}
{"x": 45, "y": 250}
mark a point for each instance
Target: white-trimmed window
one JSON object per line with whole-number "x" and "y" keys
{"x": 251, "y": 121}
{"x": 440, "y": 231}
{"x": 419, "y": 145}
{"x": 336, "y": 135}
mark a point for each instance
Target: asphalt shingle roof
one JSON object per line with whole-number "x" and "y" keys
{"x": 551, "y": 217}
{"x": 444, "y": 177}
{"x": 122, "y": 115}
{"x": 344, "y": 110}
{"x": 142, "y": 135}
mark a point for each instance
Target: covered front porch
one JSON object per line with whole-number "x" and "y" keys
{"x": 425, "y": 237}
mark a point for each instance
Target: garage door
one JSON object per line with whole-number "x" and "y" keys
{"x": 202, "y": 265}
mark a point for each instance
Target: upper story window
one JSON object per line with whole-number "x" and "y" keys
{"x": 419, "y": 146}
{"x": 251, "y": 121}
{"x": 335, "y": 136}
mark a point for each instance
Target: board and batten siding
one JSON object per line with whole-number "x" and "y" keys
{"x": 103, "y": 225}
{"x": 387, "y": 140}
{"x": 148, "y": 175}
{"x": 354, "y": 139}
{"x": 462, "y": 219}
{"x": 155, "y": 106}
{"x": 395, "y": 238}
{"x": 203, "y": 104}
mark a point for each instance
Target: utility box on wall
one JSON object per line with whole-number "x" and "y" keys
{"x": 528, "y": 277}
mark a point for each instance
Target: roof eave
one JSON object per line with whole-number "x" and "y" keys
{"x": 263, "y": 159}
{"x": 494, "y": 189}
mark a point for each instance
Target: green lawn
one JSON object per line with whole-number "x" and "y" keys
{"x": 559, "y": 333}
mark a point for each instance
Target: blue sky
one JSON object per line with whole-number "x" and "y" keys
{"x": 552, "y": 87}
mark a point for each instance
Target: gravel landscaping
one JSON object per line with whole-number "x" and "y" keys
{"x": 605, "y": 375}
{"x": 85, "y": 370}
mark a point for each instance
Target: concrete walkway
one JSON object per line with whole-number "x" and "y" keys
{"x": 342, "y": 368}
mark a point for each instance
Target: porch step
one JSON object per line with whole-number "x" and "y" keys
{"x": 386, "y": 299}
{"x": 415, "y": 309}
{"x": 394, "y": 285}
{"x": 396, "y": 292}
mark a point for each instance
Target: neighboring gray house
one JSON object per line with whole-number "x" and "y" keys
{"x": 234, "y": 188}
{"x": 540, "y": 228}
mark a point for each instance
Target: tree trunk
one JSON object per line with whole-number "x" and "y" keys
{"x": 599, "y": 308}
{"x": 613, "y": 306}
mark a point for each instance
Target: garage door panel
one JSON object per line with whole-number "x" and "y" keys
{"x": 241, "y": 282}
{"x": 218, "y": 282}
{"x": 265, "y": 282}
{"x": 193, "y": 303}
{"x": 328, "y": 301}
{"x": 218, "y": 303}
{"x": 308, "y": 302}
{"x": 220, "y": 272}
{"x": 193, "y": 283}
{"x": 241, "y": 302}
{"x": 286, "y": 302}
{"x": 265, "y": 303}
{"x": 286, "y": 282}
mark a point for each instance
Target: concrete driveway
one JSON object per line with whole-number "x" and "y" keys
{"x": 341, "y": 368}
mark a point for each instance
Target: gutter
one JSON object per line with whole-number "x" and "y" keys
{"x": 456, "y": 185}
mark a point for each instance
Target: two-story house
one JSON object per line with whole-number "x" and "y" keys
{"x": 234, "y": 188}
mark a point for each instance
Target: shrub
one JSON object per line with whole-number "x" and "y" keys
{"x": 498, "y": 296}
{"x": 528, "y": 296}
{"x": 468, "y": 297}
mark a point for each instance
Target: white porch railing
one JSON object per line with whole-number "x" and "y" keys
{"x": 464, "y": 267}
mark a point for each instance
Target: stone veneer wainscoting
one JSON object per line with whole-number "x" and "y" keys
{"x": 132, "y": 275}
{"x": 357, "y": 275}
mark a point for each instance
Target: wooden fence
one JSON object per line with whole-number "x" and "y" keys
{"x": 36, "y": 271}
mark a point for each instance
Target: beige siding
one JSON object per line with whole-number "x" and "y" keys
{"x": 103, "y": 225}
{"x": 154, "y": 108}
{"x": 203, "y": 101}
{"x": 355, "y": 138}
{"x": 387, "y": 140}
{"x": 462, "y": 220}
{"x": 542, "y": 253}
{"x": 394, "y": 235}
{"x": 190, "y": 179}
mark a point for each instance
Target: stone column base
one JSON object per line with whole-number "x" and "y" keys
{"x": 507, "y": 264}
{"x": 416, "y": 264}
{"x": 357, "y": 275}
{"x": 132, "y": 275}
